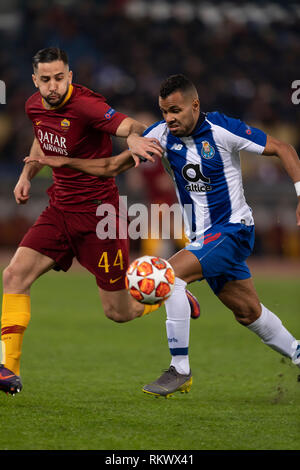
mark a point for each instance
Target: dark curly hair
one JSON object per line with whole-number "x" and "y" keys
{"x": 50, "y": 54}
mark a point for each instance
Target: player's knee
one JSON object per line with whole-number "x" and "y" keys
{"x": 246, "y": 314}
{"x": 12, "y": 278}
{"x": 15, "y": 279}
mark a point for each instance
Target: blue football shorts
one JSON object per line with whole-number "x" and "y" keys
{"x": 222, "y": 252}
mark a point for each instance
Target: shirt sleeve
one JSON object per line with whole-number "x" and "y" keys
{"x": 156, "y": 130}
{"x": 28, "y": 110}
{"x": 103, "y": 117}
{"x": 238, "y": 135}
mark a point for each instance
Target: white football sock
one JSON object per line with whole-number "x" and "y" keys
{"x": 178, "y": 327}
{"x": 272, "y": 332}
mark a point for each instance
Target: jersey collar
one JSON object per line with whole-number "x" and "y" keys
{"x": 200, "y": 121}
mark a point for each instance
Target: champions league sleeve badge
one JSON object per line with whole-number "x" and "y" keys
{"x": 207, "y": 150}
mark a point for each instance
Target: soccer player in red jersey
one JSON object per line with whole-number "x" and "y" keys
{"x": 72, "y": 121}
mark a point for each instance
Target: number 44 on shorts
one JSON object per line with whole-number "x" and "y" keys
{"x": 118, "y": 261}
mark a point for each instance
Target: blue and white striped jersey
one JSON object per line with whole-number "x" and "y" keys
{"x": 205, "y": 167}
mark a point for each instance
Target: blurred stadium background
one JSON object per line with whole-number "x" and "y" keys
{"x": 243, "y": 57}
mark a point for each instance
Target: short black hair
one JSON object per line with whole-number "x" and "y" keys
{"x": 50, "y": 54}
{"x": 174, "y": 83}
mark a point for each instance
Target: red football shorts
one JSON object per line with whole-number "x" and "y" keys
{"x": 64, "y": 235}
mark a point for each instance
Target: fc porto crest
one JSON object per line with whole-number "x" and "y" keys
{"x": 207, "y": 150}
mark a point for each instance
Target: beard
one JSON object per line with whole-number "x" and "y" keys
{"x": 58, "y": 100}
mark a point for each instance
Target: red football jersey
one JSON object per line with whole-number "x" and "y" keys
{"x": 78, "y": 128}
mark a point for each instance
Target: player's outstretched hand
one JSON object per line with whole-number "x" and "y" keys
{"x": 53, "y": 162}
{"x": 144, "y": 147}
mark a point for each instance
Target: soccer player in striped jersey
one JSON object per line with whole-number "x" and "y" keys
{"x": 201, "y": 152}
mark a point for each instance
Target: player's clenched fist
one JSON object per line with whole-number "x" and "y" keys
{"x": 21, "y": 191}
{"x": 144, "y": 147}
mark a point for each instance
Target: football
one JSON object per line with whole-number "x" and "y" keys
{"x": 150, "y": 279}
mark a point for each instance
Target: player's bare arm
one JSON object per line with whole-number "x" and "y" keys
{"x": 29, "y": 171}
{"x": 139, "y": 146}
{"x": 104, "y": 167}
{"x": 290, "y": 161}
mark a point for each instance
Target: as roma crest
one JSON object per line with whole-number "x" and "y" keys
{"x": 65, "y": 123}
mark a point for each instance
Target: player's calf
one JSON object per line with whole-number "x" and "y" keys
{"x": 125, "y": 314}
{"x": 117, "y": 316}
{"x": 118, "y": 306}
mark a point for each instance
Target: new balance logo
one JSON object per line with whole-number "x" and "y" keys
{"x": 173, "y": 340}
{"x": 176, "y": 147}
{"x": 296, "y": 352}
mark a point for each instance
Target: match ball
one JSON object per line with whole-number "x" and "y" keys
{"x": 150, "y": 279}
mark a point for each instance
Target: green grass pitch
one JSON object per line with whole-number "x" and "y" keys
{"x": 83, "y": 375}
